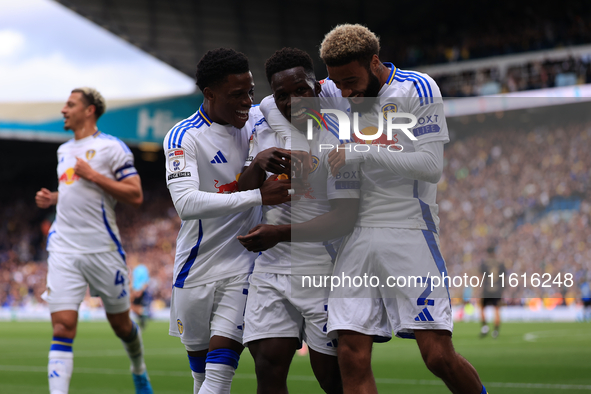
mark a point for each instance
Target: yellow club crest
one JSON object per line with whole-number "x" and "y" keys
{"x": 90, "y": 154}
{"x": 315, "y": 162}
{"x": 390, "y": 107}
{"x": 179, "y": 323}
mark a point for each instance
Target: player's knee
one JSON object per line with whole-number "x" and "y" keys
{"x": 439, "y": 363}
{"x": 64, "y": 329}
{"x": 270, "y": 365}
{"x": 353, "y": 358}
{"x": 122, "y": 328}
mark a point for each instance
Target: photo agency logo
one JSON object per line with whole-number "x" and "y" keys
{"x": 381, "y": 125}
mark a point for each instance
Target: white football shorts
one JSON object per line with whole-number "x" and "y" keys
{"x": 216, "y": 308}
{"x": 273, "y": 310}
{"x": 391, "y": 288}
{"x": 69, "y": 275}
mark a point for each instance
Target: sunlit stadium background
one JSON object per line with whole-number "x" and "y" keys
{"x": 517, "y": 78}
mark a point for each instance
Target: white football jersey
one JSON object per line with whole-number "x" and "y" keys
{"x": 306, "y": 258}
{"x": 388, "y": 199}
{"x": 209, "y": 157}
{"x": 85, "y": 218}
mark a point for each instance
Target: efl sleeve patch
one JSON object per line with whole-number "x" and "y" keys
{"x": 176, "y": 160}
{"x": 179, "y": 175}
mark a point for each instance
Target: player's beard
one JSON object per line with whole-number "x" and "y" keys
{"x": 369, "y": 95}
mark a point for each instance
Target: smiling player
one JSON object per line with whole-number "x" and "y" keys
{"x": 398, "y": 204}
{"x": 296, "y": 240}
{"x": 205, "y": 154}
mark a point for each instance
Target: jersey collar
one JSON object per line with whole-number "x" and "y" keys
{"x": 393, "y": 70}
{"x": 204, "y": 116}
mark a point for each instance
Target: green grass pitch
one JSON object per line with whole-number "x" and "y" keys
{"x": 526, "y": 358}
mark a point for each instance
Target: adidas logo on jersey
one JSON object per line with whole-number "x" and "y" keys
{"x": 424, "y": 316}
{"x": 54, "y": 374}
{"x": 219, "y": 158}
{"x": 123, "y": 294}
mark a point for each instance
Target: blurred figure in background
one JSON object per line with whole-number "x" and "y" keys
{"x": 491, "y": 295}
{"x": 140, "y": 294}
{"x": 586, "y": 298}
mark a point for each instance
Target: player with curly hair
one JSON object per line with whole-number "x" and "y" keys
{"x": 396, "y": 233}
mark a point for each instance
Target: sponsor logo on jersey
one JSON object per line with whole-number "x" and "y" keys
{"x": 179, "y": 175}
{"x": 68, "y": 177}
{"x": 315, "y": 163}
{"x": 226, "y": 187}
{"x": 178, "y": 152}
{"x": 427, "y": 125}
{"x": 347, "y": 180}
{"x": 347, "y": 185}
{"x": 308, "y": 193}
{"x": 390, "y": 107}
{"x": 219, "y": 158}
{"x": 90, "y": 154}
{"x": 382, "y": 140}
{"x": 179, "y": 324}
{"x": 176, "y": 160}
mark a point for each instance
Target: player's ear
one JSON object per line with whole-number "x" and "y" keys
{"x": 208, "y": 93}
{"x": 317, "y": 87}
{"x": 375, "y": 64}
{"x": 90, "y": 110}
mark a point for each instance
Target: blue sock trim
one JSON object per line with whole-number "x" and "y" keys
{"x": 133, "y": 334}
{"x": 223, "y": 356}
{"x": 483, "y": 390}
{"x": 197, "y": 364}
{"x": 61, "y": 344}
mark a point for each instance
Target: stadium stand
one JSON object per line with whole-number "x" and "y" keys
{"x": 525, "y": 187}
{"x": 179, "y": 33}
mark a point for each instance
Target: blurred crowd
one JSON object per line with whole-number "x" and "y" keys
{"x": 500, "y": 33}
{"x": 148, "y": 236}
{"x": 497, "y": 189}
{"x": 528, "y": 76}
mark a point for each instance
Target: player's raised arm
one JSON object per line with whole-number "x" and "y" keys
{"x": 425, "y": 164}
{"x": 45, "y": 198}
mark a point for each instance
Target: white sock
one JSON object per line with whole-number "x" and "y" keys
{"x": 218, "y": 379}
{"x": 198, "y": 378}
{"x": 59, "y": 371}
{"x": 135, "y": 351}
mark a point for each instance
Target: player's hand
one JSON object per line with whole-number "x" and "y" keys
{"x": 275, "y": 160}
{"x": 261, "y": 238}
{"x": 304, "y": 164}
{"x": 275, "y": 192}
{"x": 336, "y": 159}
{"x": 278, "y": 191}
{"x": 84, "y": 170}
{"x": 44, "y": 198}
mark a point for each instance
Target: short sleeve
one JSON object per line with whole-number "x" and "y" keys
{"x": 426, "y": 103}
{"x": 122, "y": 162}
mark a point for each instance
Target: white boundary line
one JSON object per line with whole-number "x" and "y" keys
{"x": 422, "y": 382}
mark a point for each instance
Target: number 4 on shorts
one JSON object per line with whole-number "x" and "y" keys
{"x": 119, "y": 278}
